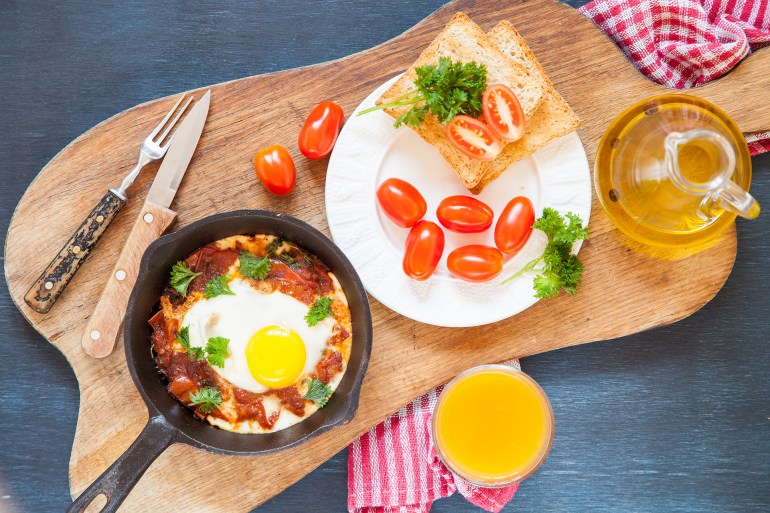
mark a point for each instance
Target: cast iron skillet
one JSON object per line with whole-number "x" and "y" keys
{"x": 170, "y": 422}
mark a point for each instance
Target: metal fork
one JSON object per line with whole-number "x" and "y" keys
{"x": 54, "y": 279}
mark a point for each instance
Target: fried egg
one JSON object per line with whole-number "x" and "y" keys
{"x": 250, "y": 347}
{"x": 270, "y": 344}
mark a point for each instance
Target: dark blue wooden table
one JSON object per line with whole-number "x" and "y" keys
{"x": 674, "y": 419}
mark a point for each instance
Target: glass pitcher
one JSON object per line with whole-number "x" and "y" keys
{"x": 674, "y": 171}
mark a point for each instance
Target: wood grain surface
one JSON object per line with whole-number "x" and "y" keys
{"x": 104, "y": 325}
{"x": 114, "y": 373}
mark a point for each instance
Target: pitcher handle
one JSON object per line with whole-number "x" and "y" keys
{"x": 733, "y": 198}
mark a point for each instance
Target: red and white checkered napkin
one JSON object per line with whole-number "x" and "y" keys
{"x": 394, "y": 467}
{"x": 686, "y": 43}
{"x": 678, "y": 43}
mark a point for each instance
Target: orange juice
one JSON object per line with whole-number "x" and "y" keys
{"x": 493, "y": 425}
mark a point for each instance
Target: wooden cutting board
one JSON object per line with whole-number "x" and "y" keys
{"x": 626, "y": 289}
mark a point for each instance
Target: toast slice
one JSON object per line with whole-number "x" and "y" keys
{"x": 553, "y": 119}
{"x": 463, "y": 40}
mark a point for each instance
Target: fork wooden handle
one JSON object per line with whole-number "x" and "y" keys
{"x": 53, "y": 280}
{"x": 103, "y": 327}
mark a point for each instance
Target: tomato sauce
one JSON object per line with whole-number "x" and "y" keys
{"x": 294, "y": 273}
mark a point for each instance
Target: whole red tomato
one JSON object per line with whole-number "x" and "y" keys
{"x": 464, "y": 214}
{"x": 475, "y": 263}
{"x": 320, "y": 131}
{"x": 401, "y": 202}
{"x": 275, "y": 169}
{"x": 515, "y": 225}
{"x": 424, "y": 246}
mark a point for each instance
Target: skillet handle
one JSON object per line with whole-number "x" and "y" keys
{"x": 117, "y": 481}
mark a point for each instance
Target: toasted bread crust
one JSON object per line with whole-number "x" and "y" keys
{"x": 552, "y": 120}
{"x": 463, "y": 40}
{"x": 510, "y": 61}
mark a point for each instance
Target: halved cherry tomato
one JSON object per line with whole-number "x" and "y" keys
{"x": 424, "y": 246}
{"x": 320, "y": 131}
{"x": 275, "y": 169}
{"x": 464, "y": 214}
{"x": 515, "y": 225}
{"x": 503, "y": 112}
{"x": 473, "y": 137}
{"x": 401, "y": 202}
{"x": 475, "y": 263}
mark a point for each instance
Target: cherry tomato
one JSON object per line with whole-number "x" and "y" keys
{"x": 475, "y": 263}
{"x": 464, "y": 214}
{"x": 515, "y": 225}
{"x": 320, "y": 131}
{"x": 424, "y": 246}
{"x": 275, "y": 169}
{"x": 473, "y": 137}
{"x": 401, "y": 202}
{"x": 503, "y": 112}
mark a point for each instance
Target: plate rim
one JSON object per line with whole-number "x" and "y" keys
{"x": 333, "y": 207}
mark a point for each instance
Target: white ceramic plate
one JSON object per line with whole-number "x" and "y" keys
{"x": 369, "y": 150}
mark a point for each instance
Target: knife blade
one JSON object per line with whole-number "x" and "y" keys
{"x": 103, "y": 327}
{"x": 175, "y": 163}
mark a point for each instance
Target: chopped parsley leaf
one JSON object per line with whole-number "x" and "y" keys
{"x": 321, "y": 309}
{"x": 218, "y": 287}
{"x": 181, "y": 277}
{"x": 318, "y": 392}
{"x": 206, "y": 399}
{"x": 216, "y": 350}
{"x": 254, "y": 267}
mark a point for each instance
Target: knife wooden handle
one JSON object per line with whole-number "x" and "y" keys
{"x": 53, "y": 280}
{"x": 103, "y": 328}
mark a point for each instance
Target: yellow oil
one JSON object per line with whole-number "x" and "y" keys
{"x": 633, "y": 182}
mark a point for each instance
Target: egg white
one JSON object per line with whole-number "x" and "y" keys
{"x": 239, "y": 316}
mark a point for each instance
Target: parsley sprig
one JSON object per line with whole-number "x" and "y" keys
{"x": 321, "y": 309}
{"x": 561, "y": 269}
{"x": 183, "y": 337}
{"x": 318, "y": 392}
{"x": 254, "y": 267}
{"x": 181, "y": 277}
{"x": 215, "y": 351}
{"x": 445, "y": 90}
{"x": 218, "y": 287}
{"x": 207, "y": 399}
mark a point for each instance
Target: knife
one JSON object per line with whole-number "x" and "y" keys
{"x": 101, "y": 333}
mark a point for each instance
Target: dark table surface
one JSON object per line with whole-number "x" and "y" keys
{"x": 674, "y": 419}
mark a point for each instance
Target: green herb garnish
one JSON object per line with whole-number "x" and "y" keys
{"x": 216, "y": 350}
{"x": 445, "y": 90}
{"x": 181, "y": 277}
{"x": 183, "y": 337}
{"x": 318, "y": 392}
{"x": 196, "y": 353}
{"x": 271, "y": 248}
{"x": 561, "y": 269}
{"x": 206, "y": 399}
{"x": 254, "y": 267}
{"x": 287, "y": 259}
{"x": 321, "y": 309}
{"x": 218, "y": 287}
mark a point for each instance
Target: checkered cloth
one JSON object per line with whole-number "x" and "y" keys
{"x": 685, "y": 43}
{"x": 394, "y": 467}
{"x": 678, "y": 43}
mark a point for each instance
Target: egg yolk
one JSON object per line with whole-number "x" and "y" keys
{"x": 276, "y": 356}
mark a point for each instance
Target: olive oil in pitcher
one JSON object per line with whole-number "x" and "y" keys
{"x": 673, "y": 170}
